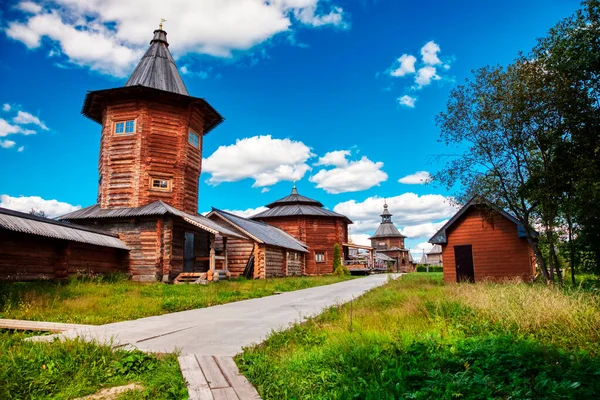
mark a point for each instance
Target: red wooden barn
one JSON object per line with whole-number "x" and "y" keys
{"x": 306, "y": 220}
{"x": 481, "y": 242}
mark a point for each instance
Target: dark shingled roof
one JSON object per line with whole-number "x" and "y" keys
{"x": 157, "y": 69}
{"x": 440, "y": 236}
{"x": 261, "y": 232}
{"x": 155, "y": 208}
{"x": 296, "y": 204}
{"x": 26, "y": 223}
{"x": 386, "y": 229}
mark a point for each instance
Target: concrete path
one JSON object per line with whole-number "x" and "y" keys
{"x": 225, "y": 329}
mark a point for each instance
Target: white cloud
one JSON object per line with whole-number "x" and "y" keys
{"x": 7, "y": 144}
{"x": 110, "y": 36}
{"x": 429, "y": 53}
{"x": 249, "y": 212}
{"x": 185, "y": 70}
{"x": 25, "y": 118}
{"x": 6, "y": 107}
{"x": 265, "y": 190}
{"x": 20, "y": 149}
{"x": 417, "y": 253}
{"x": 348, "y": 176}
{"x": 262, "y": 158}
{"x": 406, "y": 66}
{"x": 409, "y": 209}
{"x": 7, "y": 129}
{"x": 418, "y": 178}
{"x": 425, "y": 76}
{"x": 361, "y": 239}
{"x": 425, "y": 230}
{"x": 52, "y": 208}
{"x": 335, "y": 158}
{"x": 407, "y": 101}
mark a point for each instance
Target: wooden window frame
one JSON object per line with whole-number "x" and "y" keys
{"x": 324, "y": 256}
{"x": 124, "y": 122}
{"x": 191, "y": 132}
{"x": 169, "y": 181}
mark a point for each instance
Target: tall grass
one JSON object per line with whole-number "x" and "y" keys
{"x": 73, "y": 368}
{"x": 416, "y": 338}
{"x": 101, "y": 300}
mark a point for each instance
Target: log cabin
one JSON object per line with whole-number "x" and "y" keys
{"x": 482, "y": 242}
{"x": 309, "y": 222}
{"x": 389, "y": 241}
{"x": 265, "y": 252}
{"x": 33, "y": 247}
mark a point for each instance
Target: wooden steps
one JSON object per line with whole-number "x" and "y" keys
{"x": 215, "y": 378}
{"x": 201, "y": 277}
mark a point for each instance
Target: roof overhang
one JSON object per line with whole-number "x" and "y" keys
{"x": 95, "y": 101}
{"x": 440, "y": 237}
{"x": 357, "y": 246}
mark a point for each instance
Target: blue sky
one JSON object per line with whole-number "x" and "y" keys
{"x": 294, "y": 81}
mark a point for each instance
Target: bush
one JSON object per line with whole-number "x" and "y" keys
{"x": 432, "y": 268}
{"x": 339, "y": 269}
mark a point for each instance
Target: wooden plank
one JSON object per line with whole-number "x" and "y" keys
{"x": 225, "y": 394}
{"x": 22, "y": 325}
{"x": 212, "y": 372}
{"x": 198, "y": 388}
{"x": 240, "y": 384}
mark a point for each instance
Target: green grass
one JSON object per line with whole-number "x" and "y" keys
{"x": 417, "y": 338}
{"x": 104, "y": 300}
{"x": 70, "y": 369}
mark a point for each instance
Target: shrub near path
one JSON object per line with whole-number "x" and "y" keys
{"x": 416, "y": 338}
{"x": 111, "y": 299}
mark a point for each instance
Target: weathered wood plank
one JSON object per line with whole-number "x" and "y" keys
{"x": 198, "y": 388}
{"x": 22, "y": 325}
{"x": 224, "y": 394}
{"x": 212, "y": 372}
{"x": 239, "y": 383}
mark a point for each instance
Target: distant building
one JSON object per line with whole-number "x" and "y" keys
{"x": 481, "y": 242}
{"x": 434, "y": 256}
{"x": 389, "y": 241}
{"x": 306, "y": 220}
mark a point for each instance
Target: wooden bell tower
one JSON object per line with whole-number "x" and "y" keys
{"x": 152, "y": 130}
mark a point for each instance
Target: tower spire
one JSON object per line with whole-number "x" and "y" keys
{"x": 386, "y": 215}
{"x": 294, "y": 190}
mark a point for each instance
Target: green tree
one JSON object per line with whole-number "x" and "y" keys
{"x": 338, "y": 267}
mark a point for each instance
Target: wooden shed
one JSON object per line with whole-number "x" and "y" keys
{"x": 265, "y": 251}
{"x": 481, "y": 242}
{"x": 309, "y": 222}
{"x": 33, "y": 247}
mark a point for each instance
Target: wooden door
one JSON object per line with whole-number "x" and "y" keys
{"x": 463, "y": 256}
{"x": 188, "y": 253}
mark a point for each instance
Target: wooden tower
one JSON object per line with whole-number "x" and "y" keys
{"x": 389, "y": 241}
{"x": 152, "y": 130}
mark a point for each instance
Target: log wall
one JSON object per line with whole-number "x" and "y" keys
{"x": 498, "y": 252}
{"x": 319, "y": 233}
{"x": 295, "y": 263}
{"x": 275, "y": 261}
{"x": 158, "y": 148}
{"x": 29, "y": 257}
{"x": 238, "y": 254}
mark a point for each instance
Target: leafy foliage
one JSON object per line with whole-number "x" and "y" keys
{"x": 339, "y": 269}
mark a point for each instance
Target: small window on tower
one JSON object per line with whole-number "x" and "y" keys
{"x": 124, "y": 127}
{"x": 160, "y": 184}
{"x": 194, "y": 139}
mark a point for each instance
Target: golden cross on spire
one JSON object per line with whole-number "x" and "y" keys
{"x": 161, "y": 22}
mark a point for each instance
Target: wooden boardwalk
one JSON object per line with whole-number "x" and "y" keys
{"x": 22, "y": 325}
{"x": 215, "y": 378}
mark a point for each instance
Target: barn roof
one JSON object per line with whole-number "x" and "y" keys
{"x": 157, "y": 68}
{"x": 296, "y": 204}
{"x": 440, "y": 236}
{"x": 261, "y": 232}
{"x": 436, "y": 249}
{"x": 152, "y": 209}
{"x": 26, "y": 223}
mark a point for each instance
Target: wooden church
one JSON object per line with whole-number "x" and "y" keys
{"x": 309, "y": 222}
{"x": 389, "y": 241}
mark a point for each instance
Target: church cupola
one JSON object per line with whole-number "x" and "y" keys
{"x": 387, "y": 235}
{"x": 152, "y": 133}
